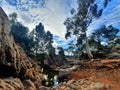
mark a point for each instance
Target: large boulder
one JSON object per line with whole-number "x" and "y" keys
{"x": 83, "y": 84}
{"x": 11, "y": 84}
{"x": 13, "y": 60}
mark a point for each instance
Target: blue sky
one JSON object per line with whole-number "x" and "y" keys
{"x": 110, "y": 16}
{"x": 52, "y": 13}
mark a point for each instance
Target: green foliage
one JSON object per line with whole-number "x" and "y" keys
{"x": 61, "y": 51}
{"x": 20, "y": 33}
{"x": 107, "y": 36}
{"x": 37, "y": 44}
{"x": 42, "y": 56}
{"x": 77, "y": 25}
{"x": 42, "y": 40}
{"x": 13, "y": 17}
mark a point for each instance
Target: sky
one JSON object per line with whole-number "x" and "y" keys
{"x": 110, "y": 16}
{"x": 53, "y": 13}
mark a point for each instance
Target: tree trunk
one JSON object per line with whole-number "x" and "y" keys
{"x": 87, "y": 47}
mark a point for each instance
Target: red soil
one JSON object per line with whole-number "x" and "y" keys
{"x": 105, "y": 71}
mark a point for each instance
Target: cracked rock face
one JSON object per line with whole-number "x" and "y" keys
{"x": 13, "y": 60}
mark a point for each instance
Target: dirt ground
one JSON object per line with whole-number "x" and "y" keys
{"x": 105, "y": 71}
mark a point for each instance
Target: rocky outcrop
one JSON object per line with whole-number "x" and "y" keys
{"x": 94, "y": 75}
{"x": 11, "y": 84}
{"x": 84, "y": 84}
{"x": 13, "y": 60}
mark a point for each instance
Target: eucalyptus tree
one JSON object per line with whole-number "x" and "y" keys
{"x": 61, "y": 51}
{"x": 38, "y": 35}
{"x": 106, "y": 34}
{"x": 81, "y": 19}
{"x": 49, "y": 47}
{"x": 19, "y": 33}
{"x": 105, "y": 42}
{"x": 13, "y": 17}
{"x": 42, "y": 40}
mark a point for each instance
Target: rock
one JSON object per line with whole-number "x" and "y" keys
{"x": 70, "y": 82}
{"x": 84, "y": 84}
{"x": 45, "y": 88}
{"x": 11, "y": 84}
{"x": 13, "y": 60}
{"x": 29, "y": 85}
{"x": 67, "y": 88}
{"x": 98, "y": 85}
{"x": 4, "y": 21}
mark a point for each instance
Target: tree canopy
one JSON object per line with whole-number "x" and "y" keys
{"x": 79, "y": 22}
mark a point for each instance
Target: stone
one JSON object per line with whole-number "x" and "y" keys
{"x": 70, "y": 82}
{"x": 84, "y": 84}
{"x": 11, "y": 84}
{"x": 29, "y": 85}
{"x": 13, "y": 60}
{"x": 44, "y": 88}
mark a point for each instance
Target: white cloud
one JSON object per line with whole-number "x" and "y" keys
{"x": 52, "y": 13}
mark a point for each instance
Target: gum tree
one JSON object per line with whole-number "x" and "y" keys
{"x": 79, "y": 22}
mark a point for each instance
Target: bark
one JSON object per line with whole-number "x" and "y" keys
{"x": 87, "y": 47}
